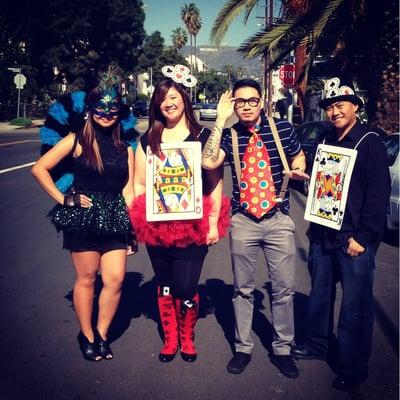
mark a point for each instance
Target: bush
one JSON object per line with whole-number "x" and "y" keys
{"x": 21, "y": 122}
{"x": 142, "y": 96}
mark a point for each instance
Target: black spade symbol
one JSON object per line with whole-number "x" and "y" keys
{"x": 317, "y": 159}
{"x": 335, "y": 210}
{"x": 189, "y": 80}
{"x": 341, "y": 213}
{"x": 323, "y": 162}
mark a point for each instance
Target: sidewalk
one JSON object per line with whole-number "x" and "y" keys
{"x": 6, "y": 127}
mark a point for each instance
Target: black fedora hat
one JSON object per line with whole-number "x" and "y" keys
{"x": 336, "y": 89}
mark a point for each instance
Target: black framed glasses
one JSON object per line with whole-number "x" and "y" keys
{"x": 252, "y": 102}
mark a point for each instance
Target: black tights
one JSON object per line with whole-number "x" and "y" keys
{"x": 178, "y": 268}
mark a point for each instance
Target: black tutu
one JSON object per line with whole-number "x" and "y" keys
{"x": 107, "y": 216}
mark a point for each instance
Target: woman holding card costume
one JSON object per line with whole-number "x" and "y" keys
{"x": 93, "y": 215}
{"x": 177, "y": 248}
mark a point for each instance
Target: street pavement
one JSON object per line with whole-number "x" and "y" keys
{"x": 39, "y": 352}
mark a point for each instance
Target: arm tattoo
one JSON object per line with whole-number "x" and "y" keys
{"x": 212, "y": 146}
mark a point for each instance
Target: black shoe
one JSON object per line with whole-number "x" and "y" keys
{"x": 166, "y": 358}
{"x": 304, "y": 353}
{"x": 87, "y": 348}
{"x": 286, "y": 365}
{"x": 103, "y": 346}
{"x": 345, "y": 383}
{"x": 238, "y": 362}
{"x": 188, "y": 357}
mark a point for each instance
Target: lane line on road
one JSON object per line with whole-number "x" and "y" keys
{"x": 3, "y": 171}
{"x": 19, "y": 142}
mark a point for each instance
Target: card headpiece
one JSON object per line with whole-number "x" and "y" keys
{"x": 336, "y": 89}
{"x": 179, "y": 74}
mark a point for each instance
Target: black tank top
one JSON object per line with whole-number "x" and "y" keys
{"x": 115, "y": 163}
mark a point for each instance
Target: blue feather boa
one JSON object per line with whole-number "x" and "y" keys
{"x": 57, "y": 111}
{"x": 78, "y": 101}
{"x": 129, "y": 122}
{"x": 65, "y": 182}
{"x": 49, "y": 136}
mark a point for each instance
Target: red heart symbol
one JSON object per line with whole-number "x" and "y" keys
{"x": 179, "y": 76}
{"x": 182, "y": 69}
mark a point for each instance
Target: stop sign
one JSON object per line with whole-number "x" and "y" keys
{"x": 286, "y": 74}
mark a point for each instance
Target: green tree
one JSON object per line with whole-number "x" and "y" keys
{"x": 359, "y": 36}
{"x": 190, "y": 15}
{"x": 179, "y": 38}
{"x": 212, "y": 83}
{"x": 152, "y": 48}
{"x": 79, "y": 37}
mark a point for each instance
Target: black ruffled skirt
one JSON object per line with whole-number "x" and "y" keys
{"x": 103, "y": 227}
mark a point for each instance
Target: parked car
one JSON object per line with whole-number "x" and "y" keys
{"x": 391, "y": 143}
{"x": 196, "y": 106}
{"x": 208, "y": 112}
{"x": 140, "y": 108}
{"x": 307, "y": 133}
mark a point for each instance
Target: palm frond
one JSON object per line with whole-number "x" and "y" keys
{"x": 229, "y": 12}
{"x": 249, "y": 9}
{"x": 328, "y": 12}
{"x": 262, "y": 41}
{"x": 279, "y": 41}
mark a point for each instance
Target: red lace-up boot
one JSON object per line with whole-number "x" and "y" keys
{"x": 169, "y": 324}
{"x": 187, "y": 312}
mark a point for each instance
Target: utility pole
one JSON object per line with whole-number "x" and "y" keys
{"x": 269, "y": 13}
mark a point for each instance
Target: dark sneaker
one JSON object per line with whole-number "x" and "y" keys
{"x": 302, "y": 352}
{"x": 286, "y": 365}
{"x": 238, "y": 362}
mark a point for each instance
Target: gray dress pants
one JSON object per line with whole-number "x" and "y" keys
{"x": 275, "y": 236}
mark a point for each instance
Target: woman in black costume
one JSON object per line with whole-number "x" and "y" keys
{"x": 94, "y": 214}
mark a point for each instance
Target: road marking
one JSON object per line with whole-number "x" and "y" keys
{"x": 18, "y": 142}
{"x": 3, "y": 171}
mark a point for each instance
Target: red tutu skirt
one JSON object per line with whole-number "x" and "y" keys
{"x": 177, "y": 233}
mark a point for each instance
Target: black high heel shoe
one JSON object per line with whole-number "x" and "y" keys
{"x": 87, "y": 348}
{"x": 103, "y": 346}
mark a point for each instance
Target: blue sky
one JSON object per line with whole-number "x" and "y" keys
{"x": 164, "y": 16}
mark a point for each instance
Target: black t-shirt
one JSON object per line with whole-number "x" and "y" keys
{"x": 369, "y": 191}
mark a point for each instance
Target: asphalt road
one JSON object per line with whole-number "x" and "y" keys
{"x": 39, "y": 353}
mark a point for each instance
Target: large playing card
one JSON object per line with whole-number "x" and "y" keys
{"x": 329, "y": 185}
{"x": 173, "y": 182}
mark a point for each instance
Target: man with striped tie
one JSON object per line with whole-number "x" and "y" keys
{"x": 260, "y": 221}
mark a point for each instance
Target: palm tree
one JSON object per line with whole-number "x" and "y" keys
{"x": 190, "y": 15}
{"x": 179, "y": 38}
{"x": 228, "y": 70}
{"x": 196, "y": 24}
{"x": 359, "y": 36}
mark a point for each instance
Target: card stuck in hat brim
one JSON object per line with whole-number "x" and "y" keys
{"x": 346, "y": 97}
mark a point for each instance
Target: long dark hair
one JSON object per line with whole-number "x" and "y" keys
{"x": 157, "y": 121}
{"x": 87, "y": 138}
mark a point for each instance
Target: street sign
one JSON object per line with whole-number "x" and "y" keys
{"x": 287, "y": 74}
{"x": 12, "y": 69}
{"x": 20, "y": 80}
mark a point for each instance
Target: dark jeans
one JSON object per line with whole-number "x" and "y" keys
{"x": 356, "y": 318}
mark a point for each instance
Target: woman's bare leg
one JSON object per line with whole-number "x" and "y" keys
{"x": 113, "y": 267}
{"x": 86, "y": 265}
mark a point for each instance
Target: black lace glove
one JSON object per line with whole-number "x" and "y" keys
{"x": 72, "y": 199}
{"x": 132, "y": 243}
